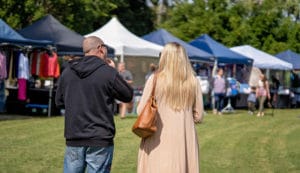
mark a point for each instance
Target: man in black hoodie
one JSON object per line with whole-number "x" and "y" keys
{"x": 86, "y": 90}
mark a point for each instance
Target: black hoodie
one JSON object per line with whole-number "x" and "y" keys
{"x": 87, "y": 89}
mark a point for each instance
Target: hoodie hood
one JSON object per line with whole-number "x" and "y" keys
{"x": 83, "y": 67}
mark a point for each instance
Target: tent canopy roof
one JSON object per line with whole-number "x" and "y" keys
{"x": 163, "y": 37}
{"x": 9, "y": 35}
{"x": 124, "y": 42}
{"x": 221, "y": 52}
{"x": 262, "y": 59}
{"x": 291, "y": 57}
{"x": 48, "y": 28}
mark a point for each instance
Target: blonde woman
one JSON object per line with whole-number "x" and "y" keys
{"x": 174, "y": 147}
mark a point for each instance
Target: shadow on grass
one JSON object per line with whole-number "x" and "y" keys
{"x": 5, "y": 117}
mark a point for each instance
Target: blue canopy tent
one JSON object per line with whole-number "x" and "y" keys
{"x": 163, "y": 37}
{"x": 9, "y": 36}
{"x": 48, "y": 28}
{"x": 291, "y": 57}
{"x": 221, "y": 52}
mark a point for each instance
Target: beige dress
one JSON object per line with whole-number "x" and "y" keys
{"x": 174, "y": 147}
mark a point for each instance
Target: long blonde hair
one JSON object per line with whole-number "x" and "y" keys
{"x": 177, "y": 78}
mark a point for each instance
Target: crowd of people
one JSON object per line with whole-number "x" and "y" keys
{"x": 263, "y": 94}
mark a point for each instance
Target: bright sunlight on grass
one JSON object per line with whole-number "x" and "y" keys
{"x": 230, "y": 143}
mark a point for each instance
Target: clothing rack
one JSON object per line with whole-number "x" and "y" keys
{"x": 11, "y": 47}
{"x": 8, "y": 48}
{"x": 26, "y": 49}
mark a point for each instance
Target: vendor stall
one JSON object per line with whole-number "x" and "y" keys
{"x": 136, "y": 52}
{"x": 16, "y": 65}
{"x": 234, "y": 64}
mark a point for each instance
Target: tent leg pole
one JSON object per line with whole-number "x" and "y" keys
{"x": 50, "y": 98}
{"x": 122, "y": 58}
{"x": 268, "y": 73}
{"x": 214, "y": 71}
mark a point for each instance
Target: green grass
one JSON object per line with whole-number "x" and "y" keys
{"x": 230, "y": 143}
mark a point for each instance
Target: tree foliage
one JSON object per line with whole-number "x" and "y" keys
{"x": 135, "y": 15}
{"x": 269, "y": 25}
{"x": 83, "y": 16}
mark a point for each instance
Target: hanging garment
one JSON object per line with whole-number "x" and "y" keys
{"x": 2, "y": 95}
{"x": 38, "y": 63}
{"x": 23, "y": 67}
{"x": 53, "y": 66}
{"x": 10, "y": 72}
{"x": 16, "y": 58}
{"x": 33, "y": 62}
{"x": 3, "y": 73}
{"x": 43, "y": 65}
{"x": 7, "y": 53}
{"x": 49, "y": 66}
{"x": 22, "y": 89}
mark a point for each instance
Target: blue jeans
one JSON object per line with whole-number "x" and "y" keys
{"x": 219, "y": 101}
{"x": 95, "y": 159}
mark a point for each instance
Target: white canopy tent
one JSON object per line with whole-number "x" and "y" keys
{"x": 262, "y": 59}
{"x": 124, "y": 42}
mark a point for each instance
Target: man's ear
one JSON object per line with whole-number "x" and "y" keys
{"x": 102, "y": 52}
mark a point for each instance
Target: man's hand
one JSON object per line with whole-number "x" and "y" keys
{"x": 110, "y": 63}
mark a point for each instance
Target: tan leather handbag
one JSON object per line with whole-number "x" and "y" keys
{"x": 145, "y": 125}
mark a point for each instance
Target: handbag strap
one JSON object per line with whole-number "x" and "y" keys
{"x": 154, "y": 85}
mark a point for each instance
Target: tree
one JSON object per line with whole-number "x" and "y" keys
{"x": 83, "y": 16}
{"x": 135, "y": 15}
{"x": 270, "y": 25}
{"x": 292, "y": 8}
{"x": 76, "y": 14}
{"x": 161, "y": 8}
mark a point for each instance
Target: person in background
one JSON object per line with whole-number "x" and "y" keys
{"x": 127, "y": 76}
{"x": 274, "y": 89}
{"x": 251, "y": 100}
{"x": 173, "y": 148}
{"x": 295, "y": 89}
{"x": 152, "y": 68}
{"x": 295, "y": 80}
{"x": 86, "y": 90}
{"x": 262, "y": 93}
{"x": 65, "y": 61}
{"x": 219, "y": 89}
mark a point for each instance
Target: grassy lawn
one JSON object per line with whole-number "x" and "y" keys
{"x": 230, "y": 143}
